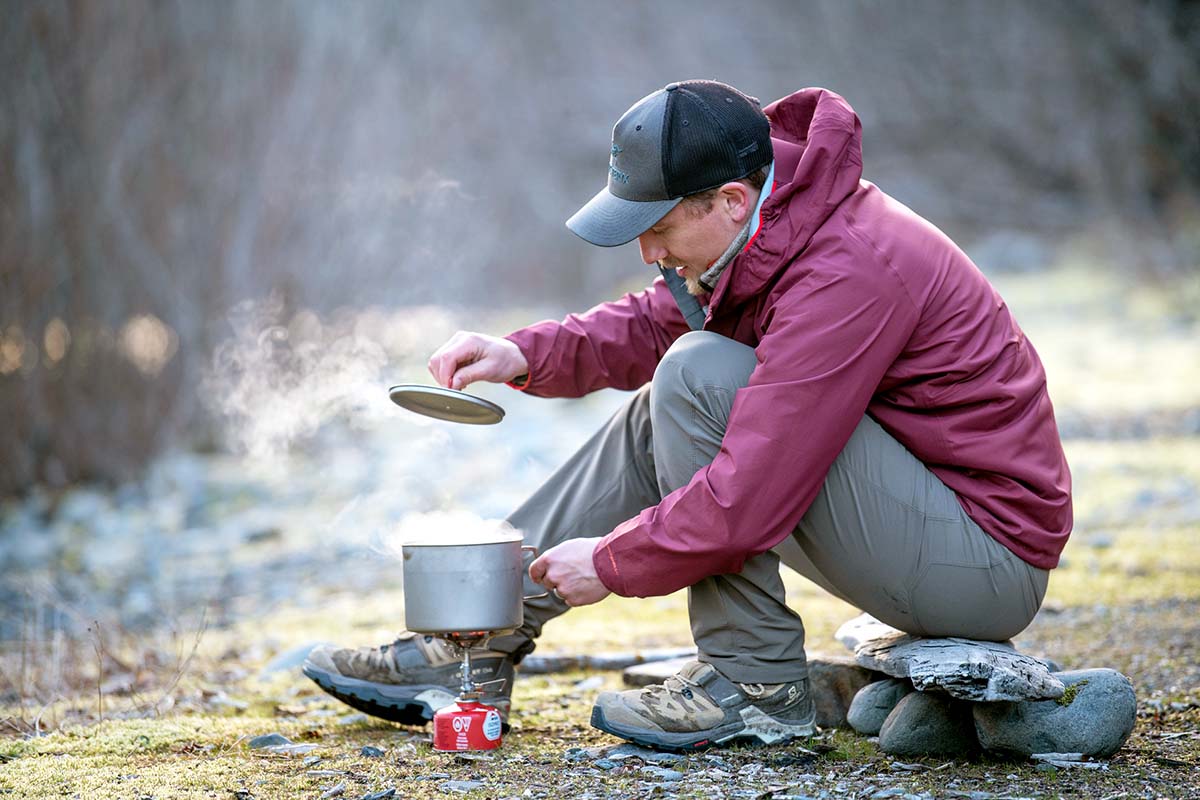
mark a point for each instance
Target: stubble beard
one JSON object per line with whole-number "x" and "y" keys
{"x": 693, "y": 285}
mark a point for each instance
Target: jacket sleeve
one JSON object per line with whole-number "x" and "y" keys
{"x": 828, "y": 342}
{"x": 615, "y": 345}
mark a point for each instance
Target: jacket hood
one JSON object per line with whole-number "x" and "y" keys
{"x": 818, "y": 164}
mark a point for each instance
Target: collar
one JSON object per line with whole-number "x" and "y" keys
{"x": 744, "y": 238}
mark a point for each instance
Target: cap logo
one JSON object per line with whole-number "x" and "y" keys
{"x": 617, "y": 175}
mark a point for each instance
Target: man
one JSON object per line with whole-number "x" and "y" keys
{"x": 822, "y": 377}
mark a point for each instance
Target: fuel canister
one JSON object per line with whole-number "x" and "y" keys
{"x": 466, "y": 725}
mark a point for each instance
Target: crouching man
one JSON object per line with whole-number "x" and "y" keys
{"x": 821, "y": 377}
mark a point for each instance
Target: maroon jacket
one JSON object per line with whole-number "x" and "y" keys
{"x": 854, "y": 304}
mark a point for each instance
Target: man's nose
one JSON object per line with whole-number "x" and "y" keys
{"x": 652, "y": 250}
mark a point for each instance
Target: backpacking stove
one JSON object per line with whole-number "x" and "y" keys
{"x": 467, "y": 724}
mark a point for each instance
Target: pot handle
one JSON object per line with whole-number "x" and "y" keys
{"x": 534, "y": 550}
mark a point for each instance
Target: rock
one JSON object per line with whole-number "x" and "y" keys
{"x": 587, "y": 684}
{"x": 874, "y": 702}
{"x": 268, "y": 740}
{"x": 963, "y": 668}
{"x": 655, "y": 671}
{"x": 624, "y": 751}
{"x": 662, "y": 773}
{"x": 605, "y": 764}
{"x": 927, "y": 724}
{"x": 352, "y": 719}
{"x": 834, "y": 682}
{"x": 334, "y": 791}
{"x": 371, "y": 752}
{"x": 862, "y": 629}
{"x": 577, "y": 755}
{"x": 1094, "y": 718}
{"x": 291, "y": 658}
{"x": 543, "y": 664}
{"x": 381, "y": 795}
{"x": 461, "y": 786}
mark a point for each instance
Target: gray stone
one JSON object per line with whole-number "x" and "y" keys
{"x": 461, "y": 786}
{"x": 542, "y": 664}
{"x": 834, "y": 682}
{"x": 963, "y": 668}
{"x": 371, "y": 752}
{"x": 874, "y": 702}
{"x": 605, "y": 764}
{"x": 291, "y": 658}
{"x": 927, "y": 724}
{"x": 268, "y": 740}
{"x": 662, "y": 773}
{"x": 1094, "y": 718}
{"x": 654, "y": 671}
{"x": 624, "y": 751}
{"x": 381, "y": 795}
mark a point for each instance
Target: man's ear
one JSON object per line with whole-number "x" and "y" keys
{"x": 736, "y": 200}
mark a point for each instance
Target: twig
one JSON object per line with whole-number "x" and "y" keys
{"x": 99, "y": 671}
{"x": 182, "y": 668}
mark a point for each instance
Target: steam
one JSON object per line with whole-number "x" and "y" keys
{"x": 280, "y": 377}
{"x": 453, "y": 527}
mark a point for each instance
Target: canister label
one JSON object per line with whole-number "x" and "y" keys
{"x": 491, "y": 726}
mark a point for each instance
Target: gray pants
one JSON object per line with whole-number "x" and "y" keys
{"x": 884, "y": 534}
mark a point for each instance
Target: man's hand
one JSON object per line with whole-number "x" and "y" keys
{"x": 470, "y": 357}
{"x": 567, "y": 570}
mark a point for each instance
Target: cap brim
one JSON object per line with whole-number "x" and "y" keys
{"x": 608, "y": 221}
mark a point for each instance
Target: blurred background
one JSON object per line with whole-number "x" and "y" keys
{"x": 225, "y": 228}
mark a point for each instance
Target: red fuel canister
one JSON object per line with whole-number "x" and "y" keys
{"x": 466, "y": 725}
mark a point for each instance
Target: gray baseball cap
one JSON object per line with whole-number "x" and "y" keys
{"x": 686, "y": 138}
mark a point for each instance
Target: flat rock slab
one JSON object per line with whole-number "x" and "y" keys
{"x": 962, "y": 668}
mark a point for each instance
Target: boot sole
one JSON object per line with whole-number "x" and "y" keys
{"x": 394, "y": 703}
{"x": 752, "y": 725}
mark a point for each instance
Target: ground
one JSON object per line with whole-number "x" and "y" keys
{"x": 130, "y": 711}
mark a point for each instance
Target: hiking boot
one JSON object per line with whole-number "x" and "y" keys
{"x": 698, "y": 708}
{"x": 408, "y": 680}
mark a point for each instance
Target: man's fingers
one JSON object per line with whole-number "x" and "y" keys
{"x": 537, "y": 570}
{"x": 469, "y": 374}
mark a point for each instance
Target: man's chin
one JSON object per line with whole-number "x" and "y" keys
{"x": 694, "y": 286}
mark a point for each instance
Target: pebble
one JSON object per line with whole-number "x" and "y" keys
{"x": 605, "y": 764}
{"x": 587, "y": 684}
{"x": 644, "y": 753}
{"x": 382, "y": 795}
{"x": 662, "y": 773}
{"x": 1095, "y": 722}
{"x": 461, "y": 786}
{"x": 335, "y": 791}
{"x": 268, "y": 740}
{"x": 371, "y": 752}
{"x": 352, "y": 719}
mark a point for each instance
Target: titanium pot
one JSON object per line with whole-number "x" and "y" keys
{"x": 464, "y": 588}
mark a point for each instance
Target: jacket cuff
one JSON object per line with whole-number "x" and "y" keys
{"x": 522, "y": 382}
{"x": 606, "y": 567}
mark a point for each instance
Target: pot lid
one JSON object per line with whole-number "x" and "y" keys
{"x": 447, "y": 404}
